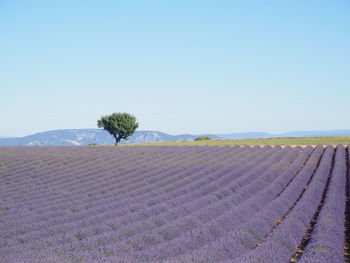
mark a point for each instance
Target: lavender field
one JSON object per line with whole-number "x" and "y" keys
{"x": 199, "y": 204}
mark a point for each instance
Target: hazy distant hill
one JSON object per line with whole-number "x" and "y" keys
{"x": 87, "y": 136}
{"x": 289, "y": 134}
{"x": 316, "y": 133}
{"x": 99, "y": 136}
{"x": 244, "y": 135}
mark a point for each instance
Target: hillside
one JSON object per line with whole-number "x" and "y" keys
{"x": 87, "y": 136}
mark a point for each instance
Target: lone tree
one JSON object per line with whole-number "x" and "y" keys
{"x": 120, "y": 125}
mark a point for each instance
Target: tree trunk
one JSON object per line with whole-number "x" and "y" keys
{"x": 117, "y": 139}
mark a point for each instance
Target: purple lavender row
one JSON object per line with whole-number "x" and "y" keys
{"x": 149, "y": 170}
{"x": 169, "y": 240}
{"x": 101, "y": 219}
{"x": 261, "y": 208}
{"x": 280, "y": 245}
{"x": 48, "y": 170}
{"x": 246, "y": 236}
{"x": 83, "y": 163}
{"x": 104, "y": 251}
{"x": 178, "y": 210}
{"x": 286, "y": 149}
{"x": 93, "y": 175}
{"x": 96, "y": 204}
{"x": 24, "y": 246}
{"x": 239, "y": 219}
{"x": 17, "y": 193}
{"x": 327, "y": 240}
{"x": 56, "y": 199}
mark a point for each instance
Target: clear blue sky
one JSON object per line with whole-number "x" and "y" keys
{"x": 179, "y": 66}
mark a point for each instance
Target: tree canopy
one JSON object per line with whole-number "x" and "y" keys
{"x": 119, "y": 125}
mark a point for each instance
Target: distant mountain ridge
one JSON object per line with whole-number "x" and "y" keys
{"x": 71, "y": 137}
{"x": 86, "y": 136}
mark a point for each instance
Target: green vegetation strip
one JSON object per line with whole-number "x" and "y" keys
{"x": 325, "y": 140}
